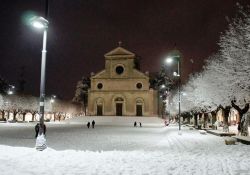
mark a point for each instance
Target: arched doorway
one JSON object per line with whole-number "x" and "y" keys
{"x": 139, "y": 107}
{"x": 99, "y": 106}
{"x": 119, "y": 106}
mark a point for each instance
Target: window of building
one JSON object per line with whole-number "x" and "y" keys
{"x": 119, "y": 70}
{"x": 99, "y": 85}
{"x": 139, "y": 85}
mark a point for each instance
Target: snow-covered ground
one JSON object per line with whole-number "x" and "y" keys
{"x": 113, "y": 150}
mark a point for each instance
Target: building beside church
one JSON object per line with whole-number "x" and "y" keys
{"x": 121, "y": 89}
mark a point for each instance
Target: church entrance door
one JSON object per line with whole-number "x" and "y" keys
{"x": 118, "y": 109}
{"x": 99, "y": 110}
{"x": 138, "y": 110}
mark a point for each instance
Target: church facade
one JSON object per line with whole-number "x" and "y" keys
{"x": 121, "y": 89}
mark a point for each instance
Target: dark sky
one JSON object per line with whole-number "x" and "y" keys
{"x": 82, "y": 31}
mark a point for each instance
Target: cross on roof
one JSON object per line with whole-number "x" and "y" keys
{"x": 119, "y": 43}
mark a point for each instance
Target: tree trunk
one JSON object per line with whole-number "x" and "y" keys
{"x": 241, "y": 113}
{"x": 3, "y": 114}
{"x": 54, "y": 116}
{"x": 199, "y": 120}
{"x": 205, "y": 119}
{"x": 188, "y": 119}
{"x": 225, "y": 113}
{"x": 33, "y": 116}
{"x": 213, "y": 113}
{"x": 245, "y": 124}
{"x": 14, "y": 115}
{"x": 195, "y": 120}
{"x": 24, "y": 114}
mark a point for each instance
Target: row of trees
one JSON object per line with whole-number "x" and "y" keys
{"x": 26, "y": 104}
{"x": 224, "y": 81}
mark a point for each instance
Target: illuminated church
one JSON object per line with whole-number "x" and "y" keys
{"x": 121, "y": 89}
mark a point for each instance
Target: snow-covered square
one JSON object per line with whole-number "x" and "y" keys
{"x": 106, "y": 150}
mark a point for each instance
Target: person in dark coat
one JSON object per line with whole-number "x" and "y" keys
{"x": 239, "y": 128}
{"x": 37, "y": 127}
{"x": 93, "y": 124}
{"x": 140, "y": 124}
{"x": 88, "y": 124}
{"x": 135, "y": 124}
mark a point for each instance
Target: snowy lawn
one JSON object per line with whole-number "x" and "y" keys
{"x": 106, "y": 150}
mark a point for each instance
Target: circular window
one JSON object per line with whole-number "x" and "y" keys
{"x": 139, "y": 85}
{"x": 119, "y": 70}
{"x": 99, "y": 85}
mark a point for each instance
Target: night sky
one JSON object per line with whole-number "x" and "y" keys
{"x": 82, "y": 31}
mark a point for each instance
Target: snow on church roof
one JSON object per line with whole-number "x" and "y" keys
{"x": 119, "y": 51}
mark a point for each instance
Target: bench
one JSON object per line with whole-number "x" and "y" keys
{"x": 230, "y": 141}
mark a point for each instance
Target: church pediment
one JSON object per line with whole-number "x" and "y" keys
{"x": 101, "y": 74}
{"x": 119, "y": 52}
{"x": 139, "y": 74}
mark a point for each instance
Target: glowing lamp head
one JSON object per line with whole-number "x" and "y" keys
{"x": 10, "y": 92}
{"x": 169, "y": 60}
{"x": 175, "y": 74}
{"x": 39, "y": 22}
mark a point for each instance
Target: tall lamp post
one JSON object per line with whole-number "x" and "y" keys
{"x": 10, "y": 91}
{"x": 41, "y": 23}
{"x": 169, "y": 60}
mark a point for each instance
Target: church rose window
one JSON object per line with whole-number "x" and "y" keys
{"x": 119, "y": 70}
{"x": 99, "y": 85}
{"x": 139, "y": 85}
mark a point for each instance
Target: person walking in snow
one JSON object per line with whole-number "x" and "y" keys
{"x": 135, "y": 124}
{"x": 88, "y": 124}
{"x": 93, "y": 124}
{"x": 140, "y": 124}
{"x": 239, "y": 128}
{"x": 37, "y": 129}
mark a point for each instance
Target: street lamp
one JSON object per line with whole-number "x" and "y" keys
{"x": 41, "y": 23}
{"x": 11, "y": 90}
{"x": 177, "y": 56}
{"x": 52, "y": 98}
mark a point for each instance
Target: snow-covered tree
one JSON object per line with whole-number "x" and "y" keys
{"x": 81, "y": 93}
{"x": 235, "y": 49}
{"x": 226, "y": 75}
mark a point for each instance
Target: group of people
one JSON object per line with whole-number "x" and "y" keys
{"x": 93, "y": 124}
{"x": 135, "y": 124}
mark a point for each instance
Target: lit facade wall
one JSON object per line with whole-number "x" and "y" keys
{"x": 121, "y": 86}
